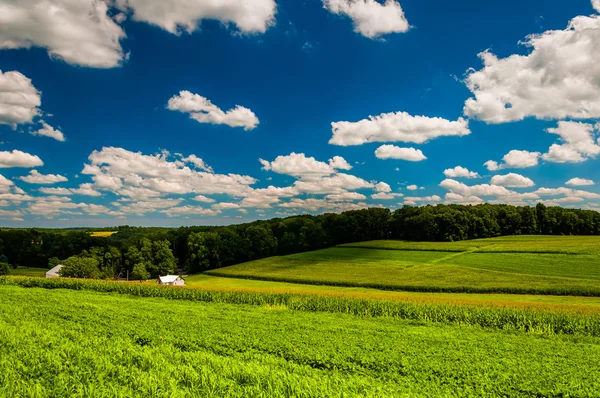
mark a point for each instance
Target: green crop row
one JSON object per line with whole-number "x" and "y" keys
{"x": 520, "y": 319}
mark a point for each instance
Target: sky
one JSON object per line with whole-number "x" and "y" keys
{"x": 196, "y": 112}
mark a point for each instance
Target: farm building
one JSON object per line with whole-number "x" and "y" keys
{"x": 175, "y": 280}
{"x": 53, "y": 273}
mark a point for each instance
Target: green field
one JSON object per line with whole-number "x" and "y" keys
{"x": 56, "y": 343}
{"x": 501, "y": 265}
{"x": 39, "y": 272}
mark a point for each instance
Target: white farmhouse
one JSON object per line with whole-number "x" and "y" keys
{"x": 174, "y": 280}
{"x": 53, "y": 273}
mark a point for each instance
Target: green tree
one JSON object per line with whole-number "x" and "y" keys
{"x": 204, "y": 250}
{"x": 139, "y": 272}
{"x": 262, "y": 241}
{"x": 53, "y": 262}
{"x": 4, "y": 269}
{"x": 80, "y": 267}
{"x": 164, "y": 261}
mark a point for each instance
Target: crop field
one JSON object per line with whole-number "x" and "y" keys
{"x": 39, "y": 272}
{"x": 500, "y": 265}
{"x": 103, "y": 234}
{"x": 83, "y": 343}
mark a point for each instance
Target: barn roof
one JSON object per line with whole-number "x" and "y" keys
{"x": 55, "y": 270}
{"x": 168, "y": 278}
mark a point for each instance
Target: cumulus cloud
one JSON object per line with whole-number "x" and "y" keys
{"x": 19, "y": 99}
{"x": 386, "y": 195}
{"x": 177, "y": 16}
{"x": 371, "y": 18}
{"x": 312, "y": 205}
{"x": 413, "y": 200}
{"x": 460, "y": 171}
{"x": 202, "y": 110}
{"x": 35, "y": 177}
{"x": 337, "y": 183}
{"x": 559, "y": 78}
{"x": 412, "y": 187}
{"x": 512, "y": 180}
{"x": 79, "y": 32}
{"x": 16, "y": 158}
{"x": 579, "y": 181}
{"x": 48, "y": 131}
{"x": 515, "y": 159}
{"x": 190, "y": 210}
{"x": 204, "y": 199}
{"x": 383, "y": 187}
{"x": 396, "y": 127}
{"x": 84, "y": 189}
{"x": 338, "y": 162}
{"x": 345, "y": 197}
{"x": 579, "y": 143}
{"x": 454, "y": 198}
{"x": 137, "y": 175}
{"x": 497, "y": 194}
{"x": 395, "y": 152}
{"x": 301, "y": 166}
{"x": 596, "y": 5}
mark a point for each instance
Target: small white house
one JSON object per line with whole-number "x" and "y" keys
{"x": 53, "y": 273}
{"x": 174, "y": 280}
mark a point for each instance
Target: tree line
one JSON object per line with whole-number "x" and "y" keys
{"x": 144, "y": 253}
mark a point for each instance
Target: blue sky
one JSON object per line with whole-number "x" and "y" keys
{"x": 124, "y": 112}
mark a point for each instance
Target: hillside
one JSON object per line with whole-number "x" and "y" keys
{"x": 518, "y": 264}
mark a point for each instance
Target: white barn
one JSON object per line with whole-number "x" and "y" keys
{"x": 53, "y": 273}
{"x": 174, "y": 280}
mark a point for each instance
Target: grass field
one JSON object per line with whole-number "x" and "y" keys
{"x": 39, "y": 272}
{"x": 103, "y": 234}
{"x": 522, "y": 264}
{"x": 58, "y": 343}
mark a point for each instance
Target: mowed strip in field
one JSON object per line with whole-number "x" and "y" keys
{"x": 525, "y": 266}
{"x": 79, "y": 343}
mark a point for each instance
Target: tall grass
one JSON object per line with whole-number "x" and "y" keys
{"x": 526, "y": 320}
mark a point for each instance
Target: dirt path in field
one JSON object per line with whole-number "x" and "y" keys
{"x": 448, "y": 257}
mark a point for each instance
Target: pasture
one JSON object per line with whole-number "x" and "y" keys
{"x": 518, "y": 265}
{"x": 35, "y": 272}
{"x": 83, "y": 343}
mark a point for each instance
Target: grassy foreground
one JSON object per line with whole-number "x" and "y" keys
{"x": 58, "y": 343}
{"x": 515, "y": 265}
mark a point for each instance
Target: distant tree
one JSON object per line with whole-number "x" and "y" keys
{"x": 204, "y": 251}
{"x": 139, "y": 272}
{"x": 3, "y": 259}
{"x": 53, "y": 262}
{"x": 163, "y": 261}
{"x": 262, "y": 241}
{"x": 80, "y": 267}
{"x": 4, "y": 268}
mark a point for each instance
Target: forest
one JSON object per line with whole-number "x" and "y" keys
{"x": 143, "y": 253}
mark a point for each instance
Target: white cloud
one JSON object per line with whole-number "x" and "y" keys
{"x": 412, "y": 187}
{"x": 371, "y": 18}
{"x": 313, "y": 205}
{"x": 596, "y": 5}
{"x": 396, "y": 127}
{"x": 199, "y": 163}
{"x": 225, "y": 206}
{"x": 578, "y": 143}
{"x": 19, "y": 99}
{"x": 413, "y": 200}
{"x": 190, "y": 210}
{"x": 474, "y": 190}
{"x": 48, "y": 131}
{"x": 5, "y": 184}
{"x": 460, "y": 171}
{"x": 134, "y": 174}
{"x": 202, "y": 110}
{"x": 84, "y": 189}
{"x": 559, "y": 78}
{"x": 386, "y": 196}
{"x": 337, "y": 183}
{"x": 579, "y": 181}
{"x": 299, "y": 165}
{"x": 175, "y": 16}
{"x": 383, "y": 187}
{"x": 567, "y": 192}
{"x": 515, "y": 159}
{"x": 345, "y": 197}
{"x": 338, "y": 162}
{"x": 79, "y": 32}
{"x": 35, "y": 177}
{"x": 203, "y": 199}
{"x": 512, "y": 180}
{"x": 394, "y": 152}
{"x": 455, "y": 198}
{"x": 17, "y": 158}
{"x": 147, "y": 206}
